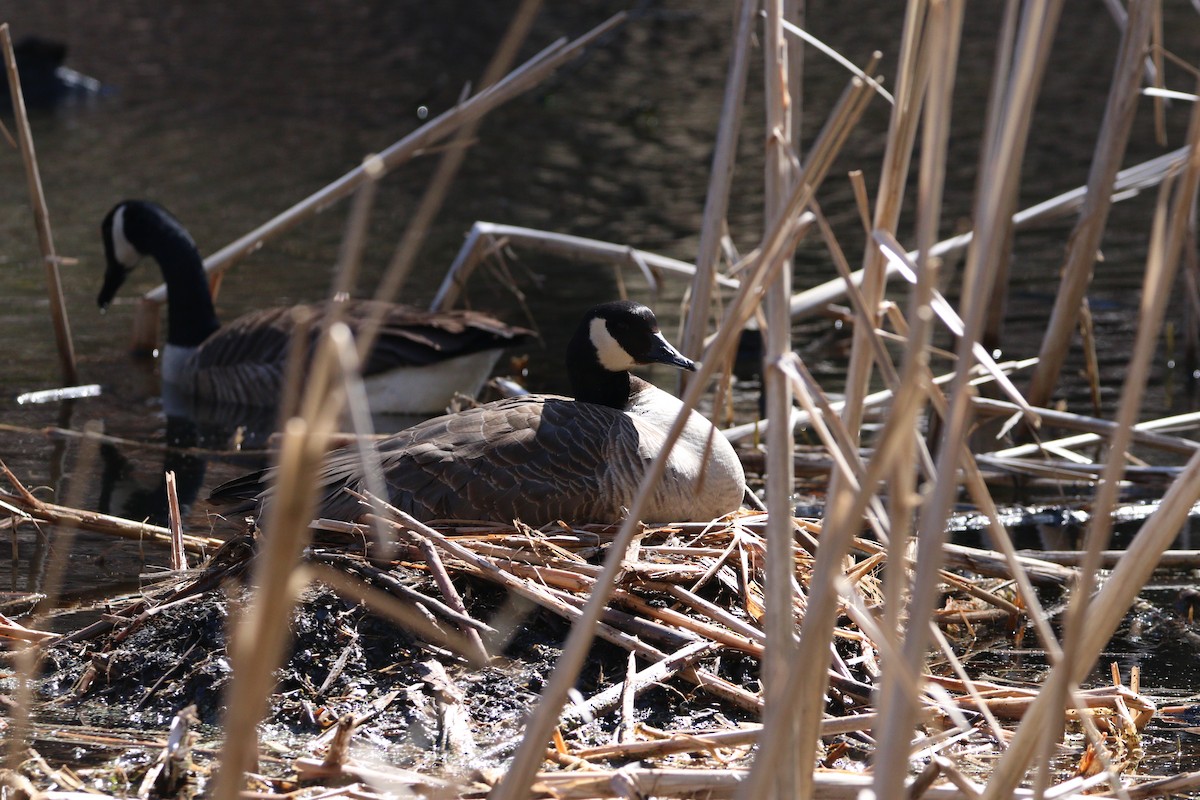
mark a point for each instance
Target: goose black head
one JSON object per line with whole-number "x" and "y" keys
{"x": 613, "y": 338}
{"x": 136, "y": 228}
{"x": 120, "y": 255}
{"x": 625, "y": 334}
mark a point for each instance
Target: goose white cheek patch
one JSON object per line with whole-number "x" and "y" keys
{"x": 125, "y": 252}
{"x": 612, "y": 355}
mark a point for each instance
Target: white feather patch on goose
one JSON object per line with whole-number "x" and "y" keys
{"x": 612, "y": 356}
{"x": 123, "y": 249}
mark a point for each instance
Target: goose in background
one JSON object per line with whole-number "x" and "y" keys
{"x": 419, "y": 361}
{"x": 46, "y": 81}
{"x": 542, "y": 458}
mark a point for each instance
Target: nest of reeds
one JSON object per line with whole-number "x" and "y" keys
{"x": 431, "y": 651}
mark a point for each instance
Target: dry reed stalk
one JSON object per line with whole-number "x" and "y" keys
{"x": 716, "y": 199}
{"x": 485, "y": 237}
{"x": 520, "y": 80}
{"x": 1166, "y": 244}
{"x": 14, "y": 630}
{"x": 984, "y": 502}
{"x": 739, "y": 433}
{"x": 1004, "y": 148}
{"x": 1001, "y": 70}
{"x": 940, "y": 307}
{"x": 1129, "y": 183}
{"x": 439, "y": 184}
{"x": 779, "y": 624}
{"x": 672, "y": 742}
{"x": 835, "y": 437}
{"x": 942, "y": 35}
{"x": 1083, "y": 641}
{"x": 761, "y": 270}
{"x": 969, "y": 685}
{"x": 727, "y": 783}
{"x": 354, "y": 240}
{"x": 1142, "y": 433}
{"x": 345, "y": 276}
{"x": 685, "y": 622}
{"x": 1075, "y": 469}
{"x": 1168, "y": 559}
{"x": 257, "y": 641}
{"x": 1157, "y": 48}
{"x": 1084, "y": 241}
{"x": 902, "y": 127}
{"x": 41, "y": 215}
{"x": 40, "y": 511}
{"x": 807, "y": 682}
{"x": 370, "y": 575}
{"x": 714, "y": 612}
{"x": 453, "y": 598}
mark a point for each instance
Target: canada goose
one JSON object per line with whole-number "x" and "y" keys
{"x": 46, "y": 82}
{"x": 419, "y": 361}
{"x": 541, "y": 458}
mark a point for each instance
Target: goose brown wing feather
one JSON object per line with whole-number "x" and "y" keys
{"x": 414, "y": 337}
{"x": 242, "y": 362}
{"x": 490, "y": 463}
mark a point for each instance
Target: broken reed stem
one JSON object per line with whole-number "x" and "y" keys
{"x": 1084, "y": 242}
{"x": 175, "y": 519}
{"x": 1097, "y": 429}
{"x": 716, "y": 199}
{"x": 453, "y": 598}
{"x": 673, "y": 742}
{"x": 96, "y": 522}
{"x": 41, "y": 216}
{"x": 603, "y": 702}
{"x": 487, "y": 236}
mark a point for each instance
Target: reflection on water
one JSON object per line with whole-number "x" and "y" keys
{"x": 228, "y": 113}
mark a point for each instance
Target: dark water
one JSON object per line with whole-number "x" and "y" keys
{"x": 227, "y": 113}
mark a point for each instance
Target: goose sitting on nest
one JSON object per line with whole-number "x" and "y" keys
{"x": 541, "y": 458}
{"x": 419, "y": 361}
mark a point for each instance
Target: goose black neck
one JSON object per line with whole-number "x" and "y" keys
{"x": 191, "y": 317}
{"x": 590, "y": 381}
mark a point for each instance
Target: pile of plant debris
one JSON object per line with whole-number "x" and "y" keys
{"x": 670, "y": 696}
